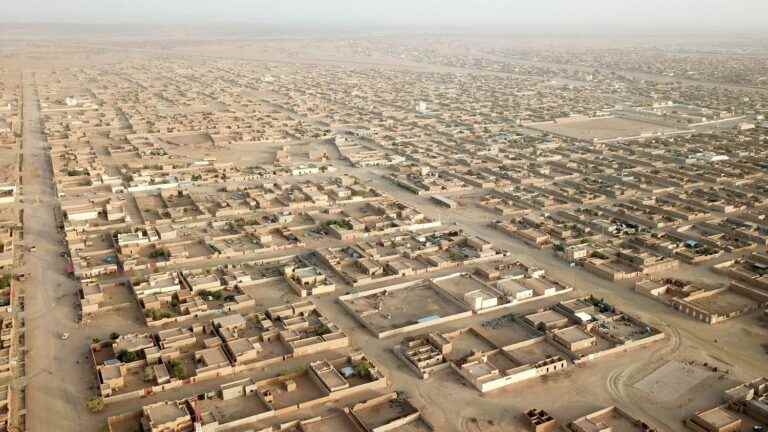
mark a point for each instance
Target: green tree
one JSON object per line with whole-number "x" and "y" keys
{"x": 5, "y": 281}
{"x": 177, "y": 369}
{"x": 126, "y": 356}
{"x": 363, "y": 369}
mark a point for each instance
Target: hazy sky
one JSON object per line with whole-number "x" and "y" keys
{"x": 547, "y": 16}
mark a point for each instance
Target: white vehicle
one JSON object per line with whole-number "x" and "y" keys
{"x": 64, "y": 336}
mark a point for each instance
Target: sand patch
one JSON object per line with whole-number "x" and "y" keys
{"x": 673, "y": 380}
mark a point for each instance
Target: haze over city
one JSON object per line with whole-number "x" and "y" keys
{"x": 407, "y": 216}
{"x": 541, "y": 17}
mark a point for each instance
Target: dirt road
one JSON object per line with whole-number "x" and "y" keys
{"x": 55, "y": 386}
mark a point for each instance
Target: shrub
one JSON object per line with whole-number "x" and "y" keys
{"x": 157, "y": 314}
{"x": 160, "y": 253}
{"x": 296, "y": 370}
{"x": 75, "y": 172}
{"x": 149, "y": 374}
{"x": 216, "y": 295}
{"x": 95, "y": 405}
{"x": 114, "y": 335}
{"x": 324, "y": 330}
{"x": 341, "y": 223}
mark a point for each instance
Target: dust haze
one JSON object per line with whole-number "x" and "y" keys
{"x": 411, "y": 216}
